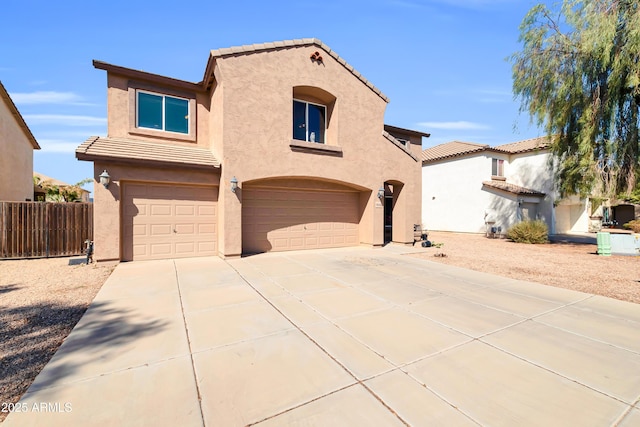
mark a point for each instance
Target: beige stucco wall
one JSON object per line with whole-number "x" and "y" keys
{"x": 257, "y": 133}
{"x": 121, "y": 111}
{"x": 107, "y": 207}
{"x": 246, "y": 120}
{"x": 16, "y": 159}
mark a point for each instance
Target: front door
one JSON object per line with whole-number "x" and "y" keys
{"x": 388, "y": 218}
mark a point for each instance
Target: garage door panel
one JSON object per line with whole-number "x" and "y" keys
{"x": 165, "y": 221}
{"x": 188, "y": 210}
{"x": 160, "y": 249}
{"x": 278, "y": 220}
{"x": 185, "y": 229}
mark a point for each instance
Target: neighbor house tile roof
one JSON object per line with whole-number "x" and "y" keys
{"x": 457, "y": 148}
{"x": 451, "y": 149}
{"x": 512, "y": 188}
{"x": 532, "y": 144}
{"x": 285, "y": 44}
{"x": 44, "y": 178}
{"x": 133, "y": 150}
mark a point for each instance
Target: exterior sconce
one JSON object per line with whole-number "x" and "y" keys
{"x": 381, "y": 193}
{"x": 105, "y": 179}
{"x": 234, "y": 184}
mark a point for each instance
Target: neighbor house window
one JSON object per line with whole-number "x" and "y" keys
{"x": 497, "y": 167}
{"x": 309, "y": 121}
{"x": 162, "y": 112}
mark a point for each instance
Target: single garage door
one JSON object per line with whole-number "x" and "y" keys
{"x": 168, "y": 221}
{"x": 282, "y": 220}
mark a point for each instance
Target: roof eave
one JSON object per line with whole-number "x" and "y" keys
{"x": 146, "y": 76}
{"x": 390, "y": 128}
{"x": 117, "y": 159}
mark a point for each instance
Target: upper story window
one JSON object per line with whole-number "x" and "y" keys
{"x": 497, "y": 167}
{"x": 162, "y": 112}
{"x": 309, "y": 121}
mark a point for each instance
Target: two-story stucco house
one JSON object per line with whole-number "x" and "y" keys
{"x": 16, "y": 145}
{"x": 469, "y": 187}
{"x": 281, "y": 146}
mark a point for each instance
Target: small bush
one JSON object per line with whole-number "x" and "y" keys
{"x": 633, "y": 225}
{"x": 529, "y": 232}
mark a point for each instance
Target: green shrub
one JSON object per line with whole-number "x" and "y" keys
{"x": 529, "y": 232}
{"x": 633, "y": 225}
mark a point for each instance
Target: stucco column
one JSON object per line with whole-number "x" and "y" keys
{"x": 229, "y": 218}
{"x": 106, "y": 216}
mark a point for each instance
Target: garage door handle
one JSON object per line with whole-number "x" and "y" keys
{"x": 174, "y": 230}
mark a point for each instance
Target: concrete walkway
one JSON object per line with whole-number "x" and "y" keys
{"x": 343, "y": 337}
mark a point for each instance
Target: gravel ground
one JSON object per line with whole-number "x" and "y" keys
{"x": 564, "y": 265}
{"x": 41, "y": 300}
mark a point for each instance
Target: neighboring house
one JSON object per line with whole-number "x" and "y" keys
{"x": 16, "y": 145}
{"x": 475, "y": 188}
{"x": 40, "y": 194}
{"x": 281, "y": 146}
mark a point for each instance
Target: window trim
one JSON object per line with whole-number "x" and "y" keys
{"x": 134, "y": 86}
{"x": 164, "y": 111}
{"x": 499, "y": 168}
{"x": 306, "y": 120}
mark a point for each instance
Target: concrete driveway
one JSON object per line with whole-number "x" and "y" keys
{"x": 343, "y": 337}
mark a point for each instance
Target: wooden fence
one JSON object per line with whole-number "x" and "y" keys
{"x": 41, "y": 230}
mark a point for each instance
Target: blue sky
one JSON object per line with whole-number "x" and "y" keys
{"x": 441, "y": 62}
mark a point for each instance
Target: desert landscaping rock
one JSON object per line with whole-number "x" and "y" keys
{"x": 41, "y": 300}
{"x": 563, "y": 265}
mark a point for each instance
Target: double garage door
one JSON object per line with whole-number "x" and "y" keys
{"x": 168, "y": 221}
{"x": 281, "y": 220}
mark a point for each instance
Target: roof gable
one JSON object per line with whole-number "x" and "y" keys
{"x": 4, "y": 95}
{"x": 279, "y": 45}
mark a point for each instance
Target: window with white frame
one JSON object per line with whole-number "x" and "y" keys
{"x": 162, "y": 112}
{"x": 309, "y": 121}
{"x": 497, "y": 167}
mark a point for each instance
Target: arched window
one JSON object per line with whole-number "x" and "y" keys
{"x": 312, "y": 111}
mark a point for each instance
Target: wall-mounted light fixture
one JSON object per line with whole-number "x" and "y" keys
{"x": 381, "y": 193}
{"x": 234, "y": 184}
{"x": 105, "y": 179}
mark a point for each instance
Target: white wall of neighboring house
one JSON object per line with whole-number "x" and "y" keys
{"x": 454, "y": 198}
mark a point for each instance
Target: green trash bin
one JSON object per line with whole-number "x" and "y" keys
{"x": 604, "y": 243}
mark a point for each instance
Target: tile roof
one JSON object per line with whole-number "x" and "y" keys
{"x": 512, "y": 188}
{"x": 287, "y": 44}
{"x": 457, "y": 148}
{"x": 45, "y": 178}
{"x": 4, "y": 95}
{"x": 451, "y": 149}
{"x": 134, "y": 150}
{"x": 532, "y": 144}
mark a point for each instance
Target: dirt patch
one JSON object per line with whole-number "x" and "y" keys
{"x": 564, "y": 265}
{"x": 41, "y": 301}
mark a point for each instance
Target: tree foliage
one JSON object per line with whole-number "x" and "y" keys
{"x": 61, "y": 193}
{"x": 578, "y": 76}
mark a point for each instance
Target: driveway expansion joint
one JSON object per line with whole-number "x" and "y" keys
{"x": 186, "y": 330}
